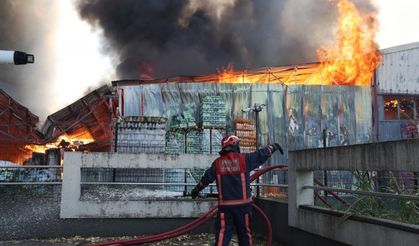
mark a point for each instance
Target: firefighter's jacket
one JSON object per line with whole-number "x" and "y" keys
{"x": 231, "y": 173}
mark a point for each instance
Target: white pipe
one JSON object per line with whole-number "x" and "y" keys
{"x": 15, "y": 57}
{"x": 6, "y": 57}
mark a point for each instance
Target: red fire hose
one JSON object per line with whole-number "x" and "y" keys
{"x": 267, "y": 224}
{"x": 197, "y": 222}
{"x": 336, "y": 196}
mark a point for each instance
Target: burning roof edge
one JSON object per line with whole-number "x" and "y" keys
{"x": 211, "y": 78}
{"x": 277, "y": 69}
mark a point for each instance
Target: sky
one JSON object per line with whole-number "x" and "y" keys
{"x": 398, "y": 21}
{"x": 79, "y": 59}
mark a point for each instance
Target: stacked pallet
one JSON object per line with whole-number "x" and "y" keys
{"x": 194, "y": 139}
{"x": 188, "y": 118}
{"x": 211, "y": 143}
{"x": 177, "y": 135}
{"x": 140, "y": 134}
{"x": 213, "y": 111}
{"x": 175, "y": 142}
{"x": 246, "y": 131}
{"x": 183, "y": 120}
{"x": 178, "y": 122}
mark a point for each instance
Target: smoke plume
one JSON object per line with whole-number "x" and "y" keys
{"x": 27, "y": 26}
{"x": 178, "y": 37}
{"x": 163, "y": 38}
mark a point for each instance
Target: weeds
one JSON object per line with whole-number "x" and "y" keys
{"x": 406, "y": 211}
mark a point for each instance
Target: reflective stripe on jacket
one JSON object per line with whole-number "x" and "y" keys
{"x": 232, "y": 179}
{"x": 231, "y": 171}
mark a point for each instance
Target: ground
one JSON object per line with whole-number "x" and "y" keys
{"x": 202, "y": 239}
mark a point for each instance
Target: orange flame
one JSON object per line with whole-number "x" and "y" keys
{"x": 228, "y": 75}
{"x": 71, "y": 141}
{"x": 353, "y": 60}
{"x": 146, "y": 71}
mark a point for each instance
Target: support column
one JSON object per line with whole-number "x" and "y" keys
{"x": 296, "y": 194}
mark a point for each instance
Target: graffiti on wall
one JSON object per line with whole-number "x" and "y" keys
{"x": 410, "y": 129}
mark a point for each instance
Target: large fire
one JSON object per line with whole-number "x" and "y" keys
{"x": 353, "y": 60}
{"x": 69, "y": 142}
{"x": 228, "y": 75}
{"x": 350, "y": 62}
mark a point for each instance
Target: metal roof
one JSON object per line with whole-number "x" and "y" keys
{"x": 292, "y": 74}
{"x": 90, "y": 114}
{"x": 399, "y": 48}
{"x": 398, "y": 71}
{"x": 17, "y": 129}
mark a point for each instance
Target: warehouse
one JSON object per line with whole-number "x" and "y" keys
{"x": 189, "y": 114}
{"x": 297, "y": 112}
{"x": 17, "y": 129}
{"x": 397, "y": 93}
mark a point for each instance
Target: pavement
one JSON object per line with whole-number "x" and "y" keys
{"x": 203, "y": 239}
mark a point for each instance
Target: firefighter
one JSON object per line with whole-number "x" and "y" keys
{"x": 231, "y": 173}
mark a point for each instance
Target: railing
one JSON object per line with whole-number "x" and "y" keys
{"x": 38, "y": 175}
{"x": 383, "y": 201}
{"x": 30, "y": 175}
{"x": 365, "y": 193}
{"x": 158, "y": 180}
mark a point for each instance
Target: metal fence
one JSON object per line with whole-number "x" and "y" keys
{"x": 126, "y": 183}
{"x": 154, "y": 183}
{"x": 28, "y": 183}
{"x": 30, "y": 174}
{"x": 385, "y": 194}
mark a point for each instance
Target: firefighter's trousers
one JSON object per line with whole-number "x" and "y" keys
{"x": 230, "y": 218}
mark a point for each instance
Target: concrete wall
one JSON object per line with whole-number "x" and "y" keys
{"x": 277, "y": 212}
{"x": 386, "y": 156}
{"x": 397, "y": 155}
{"x": 73, "y": 207}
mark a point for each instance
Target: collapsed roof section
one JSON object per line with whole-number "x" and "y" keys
{"x": 87, "y": 118}
{"x": 17, "y": 129}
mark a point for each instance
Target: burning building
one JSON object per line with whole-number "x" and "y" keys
{"x": 83, "y": 125}
{"x": 296, "y": 112}
{"x": 306, "y": 105}
{"x": 17, "y": 129}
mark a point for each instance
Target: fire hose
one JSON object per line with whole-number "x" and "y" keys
{"x": 199, "y": 221}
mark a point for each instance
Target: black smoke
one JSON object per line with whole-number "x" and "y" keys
{"x": 165, "y": 38}
{"x": 247, "y": 33}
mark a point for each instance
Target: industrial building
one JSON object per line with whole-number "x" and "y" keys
{"x": 397, "y": 93}
{"x": 183, "y": 119}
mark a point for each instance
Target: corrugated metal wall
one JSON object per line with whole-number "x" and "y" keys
{"x": 295, "y": 116}
{"x": 398, "y": 71}
{"x": 398, "y": 77}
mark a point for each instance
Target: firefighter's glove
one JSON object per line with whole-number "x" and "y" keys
{"x": 195, "y": 192}
{"x": 275, "y": 146}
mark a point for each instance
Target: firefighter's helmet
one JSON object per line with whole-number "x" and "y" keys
{"x": 229, "y": 139}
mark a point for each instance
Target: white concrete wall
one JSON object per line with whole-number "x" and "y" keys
{"x": 391, "y": 156}
{"x": 353, "y": 232}
{"x": 73, "y": 207}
